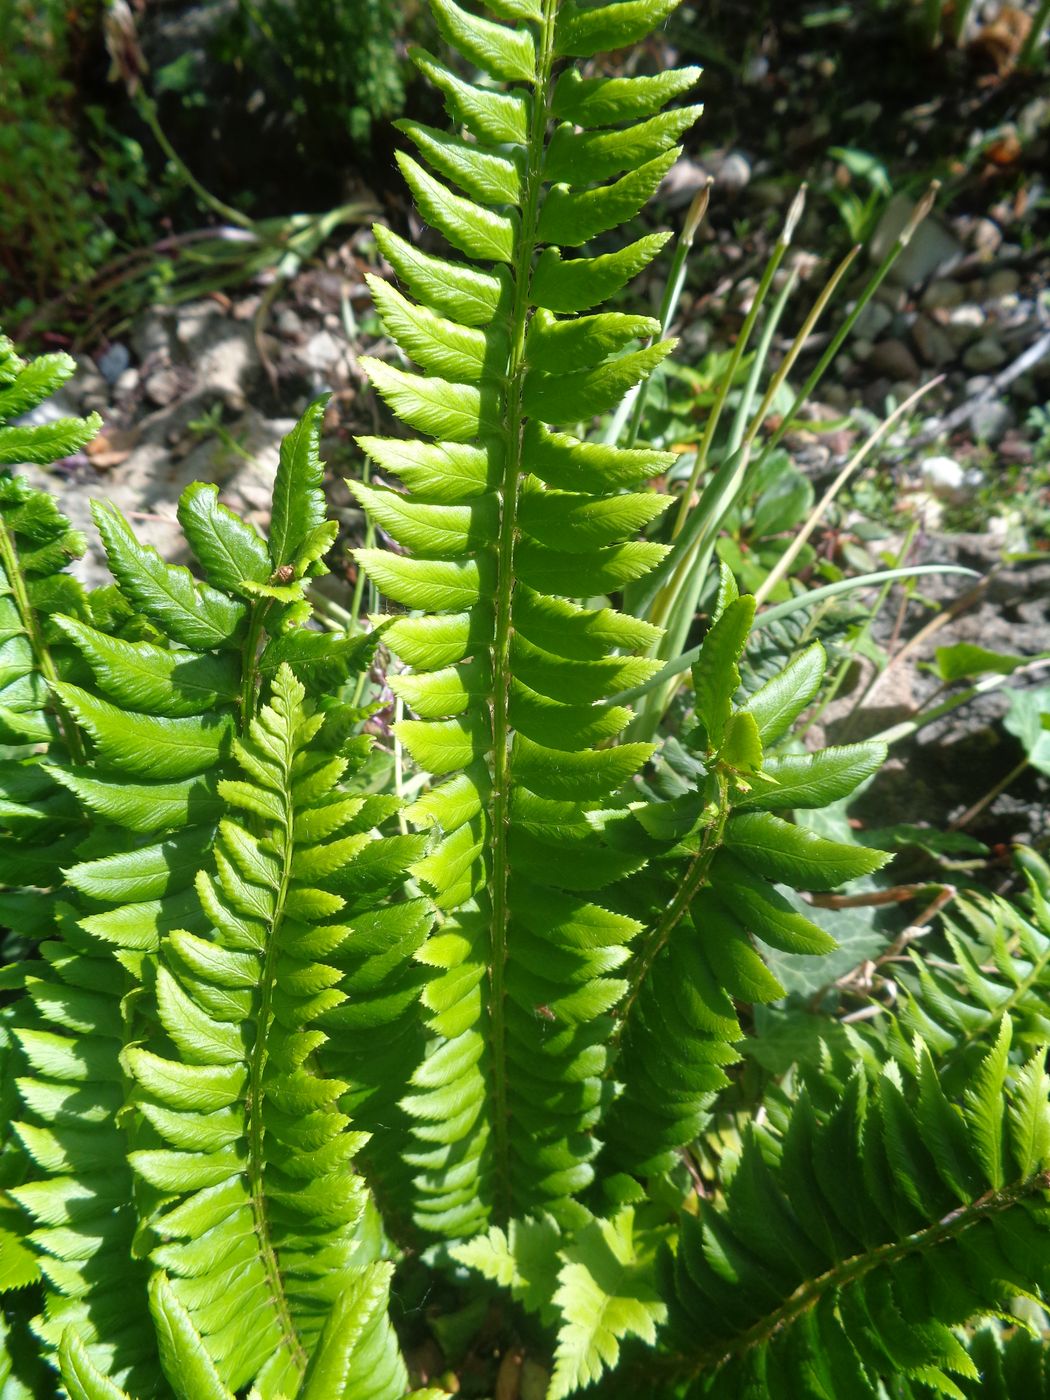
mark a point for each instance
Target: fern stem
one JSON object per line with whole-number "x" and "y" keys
{"x": 250, "y": 675}
{"x": 850, "y": 1271}
{"x": 499, "y": 807}
{"x": 255, "y": 1168}
{"x": 41, "y": 652}
{"x": 658, "y": 935}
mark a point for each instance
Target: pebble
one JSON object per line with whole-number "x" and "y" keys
{"x": 942, "y": 295}
{"x": 991, "y": 421}
{"x": 162, "y": 387}
{"x": 126, "y": 384}
{"x": 984, "y": 355}
{"x": 113, "y": 362}
{"x": 1003, "y": 283}
{"x": 735, "y": 173}
{"x": 965, "y": 323}
{"x": 873, "y": 320}
{"x": 289, "y": 323}
{"x": 934, "y": 344}
{"x": 893, "y": 359}
{"x": 945, "y": 478}
{"x": 986, "y": 238}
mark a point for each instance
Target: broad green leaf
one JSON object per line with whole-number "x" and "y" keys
{"x": 573, "y": 217}
{"x": 582, "y": 157}
{"x": 465, "y": 294}
{"x": 472, "y": 228}
{"x": 492, "y": 116}
{"x": 581, "y": 283}
{"x": 582, "y": 32}
{"x": 815, "y": 780}
{"x": 715, "y": 674}
{"x": 795, "y": 855}
{"x": 580, "y": 394}
{"x": 484, "y": 175}
{"x": 505, "y": 53}
{"x": 230, "y": 550}
{"x": 443, "y": 472}
{"x": 149, "y": 678}
{"x": 457, "y": 352}
{"x": 590, "y": 102}
{"x": 193, "y": 614}
{"x": 777, "y": 704}
{"x": 183, "y": 1355}
{"x": 965, "y": 659}
{"x": 298, "y": 498}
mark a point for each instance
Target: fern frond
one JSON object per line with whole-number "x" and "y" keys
{"x": 506, "y": 519}
{"x": 257, "y": 1204}
{"x": 848, "y": 1248}
{"x": 715, "y": 892}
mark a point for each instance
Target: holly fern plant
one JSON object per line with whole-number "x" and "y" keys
{"x": 281, "y": 1056}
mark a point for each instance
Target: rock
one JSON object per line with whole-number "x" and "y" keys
{"x": 150, "y": 336}
{"x": 991, "y": 420}
{"x": 934, "y": 344}
{"x": 941, "y": 295}
{"x": 289, "y": 324}
{"x": 984, "y": 355}
{"x": 1003, "y": 283}
{"x": 681, "y": 183}
{"x": 163, "y": 387}
{"x": 113, "y": 361}
{"x": 873, "y": 320}
{"x": 986, "y": 237}
{"x": 893, "y": 359}
{"x": 321, "y": 352}
{"x": 965, "y": 323}
{"x": 933, "y": 248}
{"x": 949, "y": 481}
{"x": 735, "y": 173}
{"x": 127, "y": 384}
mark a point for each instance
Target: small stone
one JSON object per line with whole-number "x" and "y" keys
{"x": 944, "y": 477}
{"x": 991, "y": 421}
{"x": 126, "y": 384}
{"x": 113, "y": 361}
{"x": 933, "y": 248}
{"x": 984, "y": 355}
{"x": 873, "y": 320}
{"x": 162, "y": 387}
{"x": 735, "y": 173}
{"x": 289, "y": 324}
{"x": 986, "y": 237}
{"x": 893, "y": 359}
{"x": 1003, "y": 283}
{"x": 933, "y": 343}
{"x": 149, "y": 336}
{"x": 321, "y": 351}
{"x": 941, "y": 295}
{"x": 965, "y": 323}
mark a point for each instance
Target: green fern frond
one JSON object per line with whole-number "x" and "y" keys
{"x": 257, "y": 1204}
{"x": 506, "y": 518}
{"x": 848, "y": 1248}
{"x": 715, "y": 892}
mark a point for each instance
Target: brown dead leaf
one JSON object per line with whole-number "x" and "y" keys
{"x": 111, "y": 447}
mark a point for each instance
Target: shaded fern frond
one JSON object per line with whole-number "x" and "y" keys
{"x": 716, "y": 891}
{"x": 506, "y": 519}
{"x": 848, "y": 1248}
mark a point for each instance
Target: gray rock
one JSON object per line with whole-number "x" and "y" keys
{"x": 986, "y": 238}
{"x": 932, "y": 251}
{"x": 992, "y": 420}
{"x": 150, "y": 336}
{"x": 163, "y": 387}
{"x": 893, "y": 359}
{"x": 126, "y": 385}
{"x": 289, "y": 323}
{"x": 735, "y": 173}
{"x": 965, "y": 323}
{"x": 984, "y": 355}
{"x": 321, "y": 352}
{"x": 873, "y": 320}
{"x": 934, "y": 344}
{"x": 942, "y": 295}
{"x": 113, "y": 361}
{"x": 946, "y": 479}
{"x": 1003, "y": 283}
